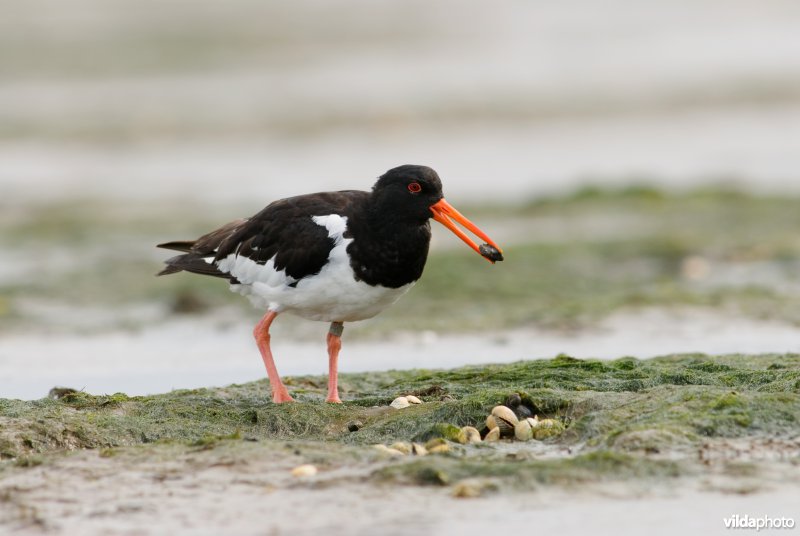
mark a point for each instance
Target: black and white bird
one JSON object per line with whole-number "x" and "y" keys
{"x": 330, "y": 256}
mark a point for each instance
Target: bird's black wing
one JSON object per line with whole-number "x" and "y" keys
{"x": 284, "y": 230}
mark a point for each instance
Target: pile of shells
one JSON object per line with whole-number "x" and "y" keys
{"x": 404, "y": 401}
{"x": 504, "y": 423}
{"x": 437, "y": 445}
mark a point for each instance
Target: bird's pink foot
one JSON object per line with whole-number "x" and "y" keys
{"x": 279, "y": 397}
{"x": 333, "y": 398}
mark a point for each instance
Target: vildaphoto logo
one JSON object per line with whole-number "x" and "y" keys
{"x": 764, "y": 522}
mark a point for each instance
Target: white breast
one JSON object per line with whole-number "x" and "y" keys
{"x": 332, "y": 295}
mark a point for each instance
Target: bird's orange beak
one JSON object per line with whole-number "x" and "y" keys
{"x": 444, "y": 211}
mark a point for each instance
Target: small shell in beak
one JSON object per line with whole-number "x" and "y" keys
{"x": 490, "y": 252}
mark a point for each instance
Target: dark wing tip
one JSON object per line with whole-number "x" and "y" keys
{"x": 169, "y": 270}
{"x": 178, "y": 245}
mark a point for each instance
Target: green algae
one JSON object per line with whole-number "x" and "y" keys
{"x": 445, "y": 431}
{"x": 621, "y": 417}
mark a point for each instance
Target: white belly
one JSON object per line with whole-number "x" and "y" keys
{"x": 332, "y": 295}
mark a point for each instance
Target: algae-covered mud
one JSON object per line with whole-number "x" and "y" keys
{"x": 713, "y": 426}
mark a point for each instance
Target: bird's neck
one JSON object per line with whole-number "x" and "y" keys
{"x": 389, "y": 251}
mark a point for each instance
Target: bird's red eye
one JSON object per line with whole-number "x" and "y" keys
{"x": 414, "y": 187}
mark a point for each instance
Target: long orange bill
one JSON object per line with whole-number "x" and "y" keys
{"x": 444, "y": 211}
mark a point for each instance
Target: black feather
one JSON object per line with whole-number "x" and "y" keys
{"x": 178, "y": 245}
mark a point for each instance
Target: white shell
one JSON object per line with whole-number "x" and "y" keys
{"x": 403, "y": 447}
{"x": 439, "y": 449}
{"x": 413, "y": 399}
{"x": 505, "y": 419}
{"x": 471, "y": 434}
{"x": 304, "y": 470}
{"x": 491, "y": 422}
{"x": 418, "y": 449}
{"x": 386, "y": 450}
{"x": 523, "y": 431}
{"x": 400, "y": 402}
{"x": 468, "y": 489}
{"x": 504, "y": 413}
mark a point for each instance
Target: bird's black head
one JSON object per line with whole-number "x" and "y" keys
{"x": 410, "y": 195}
{"x": 407, "y": 192}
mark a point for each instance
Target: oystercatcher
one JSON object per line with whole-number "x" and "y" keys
{"x": 331, "y": 256}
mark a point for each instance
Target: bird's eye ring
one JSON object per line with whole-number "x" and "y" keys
{"x": 414, "y": 187}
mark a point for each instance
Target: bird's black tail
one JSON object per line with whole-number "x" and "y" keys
{"x": 195, "y": 263}
{"x": 178, "y": 245}
{"x": 174, "y": 263}
{"x": 199, "y": 255}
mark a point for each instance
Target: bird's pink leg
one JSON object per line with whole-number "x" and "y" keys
{"x": 261, "y": 333}
{"x": 334, "y": 345}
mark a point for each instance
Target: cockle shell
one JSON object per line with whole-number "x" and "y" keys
{"x": 400, "y": 402}
{"x": 490, "y": 422}
{"x": 386, "y": 450}
{"x": 418, "y": 449}
{"x": 467, "y": 489}
{"x": 437, "y": 445}
{"x": 403, "y": 447}
{"x": 304, "y": 470}
{"x": 493, "y": 435}
{"x": 471, "y": 434}
{"x": 505, "y": 419}
{"x": 413, "y": 399}
{"x": 439, "y": 449}
{"x": 523, "y": 430}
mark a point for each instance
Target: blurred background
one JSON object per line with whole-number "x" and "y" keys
{"x": 639, "y": 159}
